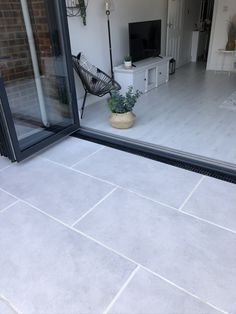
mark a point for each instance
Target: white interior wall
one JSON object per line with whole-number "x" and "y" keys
{"x": 224, "y": 9}
{"x": 93, "y": 38}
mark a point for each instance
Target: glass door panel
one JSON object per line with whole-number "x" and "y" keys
{"x": 36, "y": 69}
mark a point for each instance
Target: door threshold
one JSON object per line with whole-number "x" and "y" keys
{"x": 202, "y": 165}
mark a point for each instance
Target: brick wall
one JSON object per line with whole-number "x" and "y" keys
{"x": 14, "y": 54}
{"x": 41, "y": 32}
{"x": 15, "y": 60}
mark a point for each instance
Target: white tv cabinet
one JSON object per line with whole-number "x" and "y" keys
{"x": 148, "y": 74}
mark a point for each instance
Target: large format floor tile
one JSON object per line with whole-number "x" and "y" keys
{"x": 61, "y": 192}
{"x": 214, "y": 200}
{"x": 156, "y": 180}
{"x": 4, "y": 162}
{"x": 5, "y": 308}
{"x": 70, "y": 151}
{"x": 147, "y": 294}
{"x": 193, "y": 254}
{"x": 47, "y": 268}
{"x": 5, "y": 200}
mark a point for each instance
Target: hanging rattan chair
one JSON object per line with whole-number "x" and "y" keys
{"x": 94, "y": 80}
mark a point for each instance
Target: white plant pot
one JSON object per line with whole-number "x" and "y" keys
{"x": 128, "y": 64}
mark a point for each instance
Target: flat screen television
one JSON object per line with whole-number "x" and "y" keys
{"x": 144, "y": 39}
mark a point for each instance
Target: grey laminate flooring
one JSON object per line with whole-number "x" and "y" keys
{"x": 183, "y": 114}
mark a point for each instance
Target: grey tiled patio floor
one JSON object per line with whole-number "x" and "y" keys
{"x": 88, "y": 229}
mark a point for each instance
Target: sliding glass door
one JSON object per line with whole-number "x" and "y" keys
{"x": 38, "y": 101}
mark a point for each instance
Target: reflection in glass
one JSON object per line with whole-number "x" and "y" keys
{"x": 33, "y": 66}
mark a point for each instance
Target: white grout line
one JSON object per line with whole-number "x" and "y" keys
{"x": 145, "y": 268}
{"x": 191, "y": 194}
{"x": 124, "y": 188}
{"x": 94, "y": 177}
{"x": 181, "y": 211}
{"x": 87, "y": 157}
{"x": 9, "y": 206}
{"x": 114, "y": 251}
{"x": 92, "y": 208}
{"x": 9, "y": 304}
{"x": 1, "y": 189}
{"x": 71, "y": 167}
{"x": 182, "y": 289}
{"x": 207, "y": 221}
{"x": 150, "y": 199}
{"x": 78, "y": 171}
{"x": 55, "y": 163}
{"x": 121, "y": 290}
{"x": 4, "y": 168}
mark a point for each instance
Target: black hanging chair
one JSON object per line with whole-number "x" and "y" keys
{"x": 94, "y": 80}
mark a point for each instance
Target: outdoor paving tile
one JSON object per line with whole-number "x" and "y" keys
{"x": 62, "y": 193}
{"x": 193, "y": 254}
{"x": 5, "y": 308}
{"x": 70, "y": 151}
{"x": 164, "y": 183}
{"x": 215, "y": 201}
{"x": 147, "y": 294}
{"x": 5, "y": 200}
{"x": 55, "y": 270}
{"x": 4, "y": 162}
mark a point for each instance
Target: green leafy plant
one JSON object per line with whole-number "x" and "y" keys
{"x": 127, "y": 59}
{"x": 119, "y": 103}
{"x": 82, "y": 7}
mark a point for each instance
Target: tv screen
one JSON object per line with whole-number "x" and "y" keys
{"x": 144, "y": 39}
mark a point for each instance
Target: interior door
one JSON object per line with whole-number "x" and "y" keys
{"x": 174, "y": 29}
{"x": 37, "y": 83}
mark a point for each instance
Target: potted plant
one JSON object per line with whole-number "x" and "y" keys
{"x": 231, "y": 45}
{"x": 127, "y": 62}
{"x": 82, "y": 7}
{"x": 121, "y": 107}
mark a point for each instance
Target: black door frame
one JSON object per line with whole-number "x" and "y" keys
{"x": 7, "y": 125}
{"x": 17, "y": 153}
